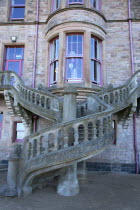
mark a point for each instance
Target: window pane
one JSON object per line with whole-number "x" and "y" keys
{"x": 75, "y": 1}
{"x": 13, "y": 66}
{"x": 20, "y": 135}
{"x": 20, "y": 127}
{"x": 18, "y": 13}
{"x": 10, "y": 53}
{"x": 74, "y": 45}
{"x": 19, "y": 53}
{"x": 16, "y": 2}
{"x": 95, "y": 71}
{"x": 54, "y": 49}
{"x": 95, "y": 49}
{"x": 54, "y": 72}
{"x": 74, "y": 68}
{"x": 95, "y": 4}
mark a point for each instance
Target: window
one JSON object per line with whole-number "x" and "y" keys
{"x": 14, "y": 59}
{"x": 95, "y": 4}
{"x": 54, "y": 50}
{"x": 75, "y": 1}
{"x": 17, "y": 9}
{"x": 74, "y": 58}
{"x": 19, "y": 132}
{"x": 95, "y": 60}
{"x": 55, "y": 5}
{"x": 1, "y": 117}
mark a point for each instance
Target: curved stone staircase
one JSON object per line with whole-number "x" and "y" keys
{"x": 65, "y": 143}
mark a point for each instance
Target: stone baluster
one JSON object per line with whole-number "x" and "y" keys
{"x": 29, "y": 150}
{"x": 37, "y": 146}
{"x": 56, "y": 141}
{"x": 76, "y": 135}
{"x": 65, "y": 138}
{"x": 31, "y": 142}
{"x": 109, "y": 124}
{"x": 85, "y": 131}
{"x": 46, "y": 144}
{"x": 108, "y": 98}
{"x": 120, "y": 96}
{"x": 94, "y": 130}
{"x": 101, "y": 127}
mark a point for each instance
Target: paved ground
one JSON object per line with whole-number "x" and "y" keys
{"x": 102, "y": 191}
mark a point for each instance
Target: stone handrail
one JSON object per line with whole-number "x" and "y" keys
{"x": 30, "y": 97}
{"x": 114, "y": 96}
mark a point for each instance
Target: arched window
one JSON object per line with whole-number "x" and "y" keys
{"x": 55, "y": 5}
{"x": 75, "y": 1}
{"x": 95, "y": 60}
{"x": 95, "y": 4}
{"x": 54, "y": 49}
{"x": 74, "y": 58}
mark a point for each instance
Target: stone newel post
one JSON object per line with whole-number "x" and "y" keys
{"x": 68, "y": 182}
{"x": 13, "y": 170}
{"x": 69, "y": 108}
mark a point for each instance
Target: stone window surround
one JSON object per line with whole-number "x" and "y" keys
{"x": 14, "y": 139}
{"x": 62, "y": 55}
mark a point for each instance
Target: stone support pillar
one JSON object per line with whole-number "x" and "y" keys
{"x": 68, "y": 182}
{"x": 69, "y": 108}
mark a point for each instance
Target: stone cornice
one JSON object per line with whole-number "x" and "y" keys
{"x": 74, "y": 8}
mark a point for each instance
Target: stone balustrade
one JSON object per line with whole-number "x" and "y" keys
{"x": 45, "y": 101}
{"x": 119, "y": 95}
{"x": 67, "y": 135}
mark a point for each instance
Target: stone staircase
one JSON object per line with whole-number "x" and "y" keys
{"x": 58, "y": 148}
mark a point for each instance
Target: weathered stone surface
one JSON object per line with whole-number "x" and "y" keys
{"x": 68, "y": 182}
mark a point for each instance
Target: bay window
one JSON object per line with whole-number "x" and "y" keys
{"x": 17, "y": 9}
{"x": 14, "y": 59}
{"x": 95, "y": 61}
{"x": 74, "y": 58}
{"x": 55, "y": 5}
{"x": 95, "y": 4}
{"x": 54, "y": 50}
{"x": 75, "y": 1}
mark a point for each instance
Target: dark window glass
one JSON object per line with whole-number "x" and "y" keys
{"x": 95, "y": 60}
{"x": 75, "y": 1}
{"x": 17, "y": 9}
{"x": 54, "y": 49}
